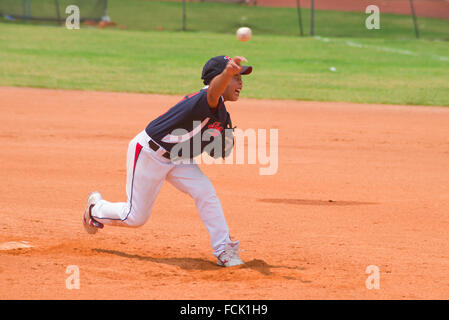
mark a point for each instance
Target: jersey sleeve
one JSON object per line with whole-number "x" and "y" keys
{"x": 202, "y": 108}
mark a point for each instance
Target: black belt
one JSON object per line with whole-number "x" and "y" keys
{"x": 155, "y": 147}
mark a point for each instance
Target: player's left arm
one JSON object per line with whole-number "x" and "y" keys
{"x": 220, "y": 82}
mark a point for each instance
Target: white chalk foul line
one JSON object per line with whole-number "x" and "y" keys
{"x": 14, "y": 245}
{"x": 385, "y": 49}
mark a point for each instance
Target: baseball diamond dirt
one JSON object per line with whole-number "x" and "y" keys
{"x": 357, "y": 186}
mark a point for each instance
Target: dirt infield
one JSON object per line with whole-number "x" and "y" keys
{"x": 357, "y": 185}
{"x": 423, "y": 8}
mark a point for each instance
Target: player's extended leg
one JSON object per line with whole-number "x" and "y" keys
{"x": 190, "y": 179}
{"x": 146, "y": 173}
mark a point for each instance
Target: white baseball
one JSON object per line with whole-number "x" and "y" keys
{"x": 244, "y": 34}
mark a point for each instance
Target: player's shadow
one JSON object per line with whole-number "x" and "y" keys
{"x": 184, "y": 263}
{"x": 265, "y": 268}
{"x": 197, "y": 263}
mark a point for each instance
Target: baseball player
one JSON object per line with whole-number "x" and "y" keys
{"x": 151, "y": 159}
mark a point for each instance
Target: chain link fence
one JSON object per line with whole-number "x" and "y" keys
{"x": 51, "y": 10}
{"x": 326, "y": 18}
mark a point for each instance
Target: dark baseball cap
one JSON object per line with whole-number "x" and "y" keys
{"x": 216, "y": 65}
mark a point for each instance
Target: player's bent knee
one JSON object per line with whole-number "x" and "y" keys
{"x": 136, "y": 218}
{"x": 204, "y": 192}
{"x": 135, "y": 223}
{"x": 204, "y": 188}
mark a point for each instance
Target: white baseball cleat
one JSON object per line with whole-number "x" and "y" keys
{"x": 89, "y": 223}
{"x": 230, "y": 256}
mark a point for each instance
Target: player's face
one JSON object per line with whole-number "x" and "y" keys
{"x": 232, "y": 91}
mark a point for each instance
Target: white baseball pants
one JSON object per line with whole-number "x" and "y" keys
{"x": 146, "y": 172}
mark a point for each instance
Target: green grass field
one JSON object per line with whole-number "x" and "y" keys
{"x": 392, "y": 69}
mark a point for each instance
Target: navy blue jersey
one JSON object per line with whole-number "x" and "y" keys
{"x": 190, "y": 122}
